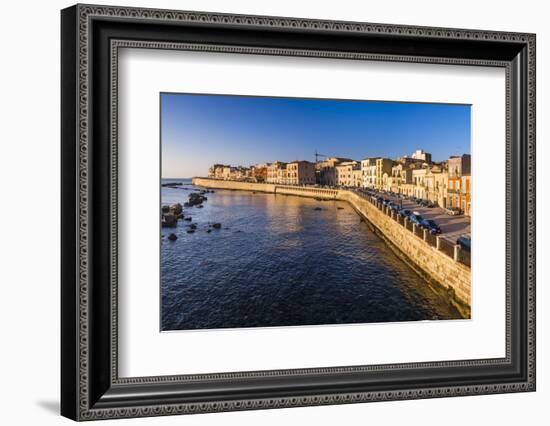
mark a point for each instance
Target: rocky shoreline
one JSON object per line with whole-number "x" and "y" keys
{"x": 171, "y": 214}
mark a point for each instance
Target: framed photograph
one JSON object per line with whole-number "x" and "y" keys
{"x": 263, "y": 212}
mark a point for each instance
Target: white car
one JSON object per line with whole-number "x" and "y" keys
{"x": 453, "y": 211}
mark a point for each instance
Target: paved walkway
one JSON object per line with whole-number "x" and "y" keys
{"x": 452, "y": 227}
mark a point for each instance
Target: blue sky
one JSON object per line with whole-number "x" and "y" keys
{"x": 200, "y": 130}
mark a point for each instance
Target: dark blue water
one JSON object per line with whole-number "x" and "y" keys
{"x": 277, "y": 261}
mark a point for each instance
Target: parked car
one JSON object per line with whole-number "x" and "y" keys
{"x": 393, "y": 206}
{"x": 453, "y": 211}
{"x": 464, "y": 243}
{"x": 428, "y": 204}
{"x": 416, "y": 219}
{"x": 431, "y": 226}
{"x": 404, "y": 213}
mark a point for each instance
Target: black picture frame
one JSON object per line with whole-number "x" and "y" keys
{"x": 90, "y": 386}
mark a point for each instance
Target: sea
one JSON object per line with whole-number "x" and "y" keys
{"x": 282, "y": 260}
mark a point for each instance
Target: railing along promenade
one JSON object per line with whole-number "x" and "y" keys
{"x": 454, "y": 251}
{"x": 433, "y": 256}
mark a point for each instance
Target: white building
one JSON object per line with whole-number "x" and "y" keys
{"x": 368, "y": 172}
{"x": 419, "y": 154}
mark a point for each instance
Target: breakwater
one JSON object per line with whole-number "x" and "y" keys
{"x": 408, "y": 242}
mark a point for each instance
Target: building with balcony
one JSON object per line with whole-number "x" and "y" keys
{"x": 368, "y": 172}
{"x": 276, "y": 172}
{"x": 357, "y": 176}
{"x": 216, "y": 171}
{"x": 226, "y": 172}
{"x": 401, "y": 175}
{"x": 419, "y": 182}
{"x": 440, "y": 188}
{"x": 300, "y": 173}
{"x": 389, "y": 183}
{"x": 454, "y": 184}
{"x": 383, "y": 165}
{"x": 239, "y": 173}
{"x": 435, "y": 185}
{"x": 326, "y": 170}
{"x": 346, "y": 173}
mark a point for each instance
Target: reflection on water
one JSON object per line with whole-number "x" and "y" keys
{"x": 277, "y": 261}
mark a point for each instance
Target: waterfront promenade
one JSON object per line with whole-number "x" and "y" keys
{"x": 452, "y": 227}
{"x": 433, "y": 257}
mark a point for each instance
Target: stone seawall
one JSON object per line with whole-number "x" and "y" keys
{"x": 233, "y": 185}
{"x": 433, "y": 264}
{"x": 325, "y": 194}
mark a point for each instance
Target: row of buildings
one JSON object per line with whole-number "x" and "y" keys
{"x": 446, "y": 183}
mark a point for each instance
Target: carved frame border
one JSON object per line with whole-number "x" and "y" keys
{"x": 87, "y": 12}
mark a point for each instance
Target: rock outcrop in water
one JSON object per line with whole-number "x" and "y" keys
{"x": 171, "y": 214}
{"x": 169, "y": 220}
{"x": 196, "y": 199}
{"x": 177, "y": 208}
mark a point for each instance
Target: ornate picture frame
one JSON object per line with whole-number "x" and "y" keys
{"x": 90, "y": 38}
